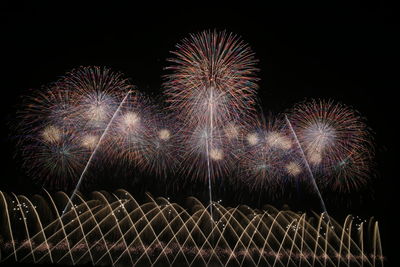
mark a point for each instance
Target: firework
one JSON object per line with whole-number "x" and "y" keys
{"x": 333, "y": 137}
{"x": 96, "y": 93}
{"x": 55, "y": 157}
{"x": 161, "y": 157}
{"x": 61, "y": 125}
{"x": 268, "y": 160}
{"x": 49, "y": 148}
{"x": 128, "y": 135}
{"x": 212, "y": 71}
{"x": 212, "y": 89}
{"x": 205, "y": 150}
{"x": 143, "y": 137}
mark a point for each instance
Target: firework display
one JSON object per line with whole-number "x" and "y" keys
{"x": 208, "y": 130}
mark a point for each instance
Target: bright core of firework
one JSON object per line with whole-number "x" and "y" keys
{"x": 277, "y": 140}
{"x": 51, "y": 134}
{"x": 130, "y": 120}
{"x": 216, "y": 154}
{"x": 293, "y": 168}
{"x": 89, "y": 141}
{"x": 314, "y": 157}
{"x": 252, "y": 139}
{"x": 319, "y": 136}
{"x": 164, "y": 134}
{"x": 231, "y": 131}
{"x": 97, "y": 112}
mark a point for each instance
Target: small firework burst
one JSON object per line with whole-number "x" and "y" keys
{"x": 51, "y": 134}
{"x": 278, "y": 140}
{"x": 89, "y": 141}
{"x": 293, "y": 168}
{"x": 333, "y": 136}
{"x": 266, "y": 161}
{"x": 204, "y": 151}
{"x": 96, "y": 93}
{"x": 56, "y": 158}
{"x": 252, "y": 139}
{"x": 44, "y": 111}
{"x": 232, "y": 131}
{"x": 129, "y": 135}
{"x": 161, "y": 155}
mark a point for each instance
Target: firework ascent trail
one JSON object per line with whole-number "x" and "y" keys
{"x": 308, "y": 167}
{"x": 94, "y": 152}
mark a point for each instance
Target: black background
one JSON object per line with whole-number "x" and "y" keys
{"x": 348, "y": 53}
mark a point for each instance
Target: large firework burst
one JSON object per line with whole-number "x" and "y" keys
{"x": 212, "y": 89}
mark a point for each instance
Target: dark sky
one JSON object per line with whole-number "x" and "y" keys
{"x": 348, "y": 53}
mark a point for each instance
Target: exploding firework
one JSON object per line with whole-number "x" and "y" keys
{"x": 212, "y": 79}
{"x": 61, "y": 125}
{"x": 268, "y": 159}
{"x": 143, "y": 136}
{"x": 50, "y": 149}
{"x": 56, "y": 157}
{"x": 336, "y": 143}
{"x": 212, "y": 89}
{"x": 96, "y": 94}
{"x": 162, "y": 156}
{"x": 205, "y": 152}
{"x": 128, "y": 136}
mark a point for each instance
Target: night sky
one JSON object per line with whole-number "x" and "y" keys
{"x": 348, "y": 53}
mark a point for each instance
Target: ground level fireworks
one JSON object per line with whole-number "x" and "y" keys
{"x": 113, "y": 229}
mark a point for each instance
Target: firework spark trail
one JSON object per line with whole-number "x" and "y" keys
{"x": 308, "y": 167}
{"x": 208, "y": 157}
{"x": 94, "y": 152}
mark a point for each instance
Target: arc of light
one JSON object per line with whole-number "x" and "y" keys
{"x": 45, "y": 241}
{"x": 93, "y": 217}
{"x": 294, "y": 240}
{"x": 144, "y": 215}
{"x": 120, "y": 206}
{"x": 278, "y": 221}
{"x": 9, "y": 226}
{"x": 55, "y": 246}
{"x": 168, "y": 225}
{"x": 94, "y": 152}
{"x": 26, "y": 227}
{"x": 98, "y": 241}
{"x": 308, "y": 167}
